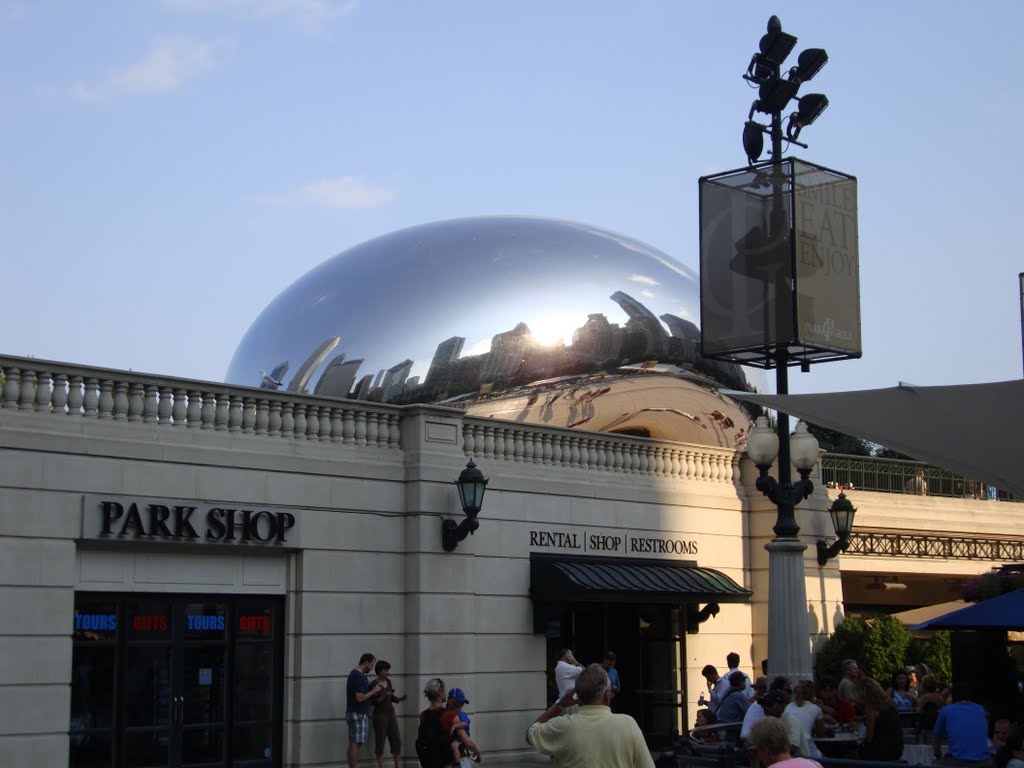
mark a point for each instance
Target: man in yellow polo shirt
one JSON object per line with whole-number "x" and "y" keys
{"x": 593, "y": 737}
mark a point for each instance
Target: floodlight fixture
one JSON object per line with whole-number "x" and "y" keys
{"x": 776, "y": 45}
{"x": 811, "y": 106}
{"x": 809, "y": 63}
{"x": 753, "y": 140}
{"x": 759, "y": 70}
{"x": 775, "y": 94}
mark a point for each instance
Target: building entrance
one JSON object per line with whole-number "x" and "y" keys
{"x": 649, "y": 647}
{"x": 161, "y": 681}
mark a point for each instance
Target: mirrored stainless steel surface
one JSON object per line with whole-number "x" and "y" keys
{"x": 487, "y": 304}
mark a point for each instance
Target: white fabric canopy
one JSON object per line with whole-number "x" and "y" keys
{"x": 972, "y": 429}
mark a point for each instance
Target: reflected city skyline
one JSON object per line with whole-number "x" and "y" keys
{"x": 380, "y": 301}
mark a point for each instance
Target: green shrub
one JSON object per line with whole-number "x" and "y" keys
{"x": 885, "y": 648}
{"x": 880, "y": 649}
{"x": 847, "y": 642}
{"x": 938, "y": 656}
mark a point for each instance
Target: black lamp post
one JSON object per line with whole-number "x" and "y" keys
{"x": 763, "y": 305}
{"x": 763, "y": 448}
{"x": 842, "y": 512}
{"x": 471, "y": 484}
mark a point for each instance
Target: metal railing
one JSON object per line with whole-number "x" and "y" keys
{"x": 870, "y": 473}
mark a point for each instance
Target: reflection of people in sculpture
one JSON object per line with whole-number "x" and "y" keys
{"x": 917, "y": 484}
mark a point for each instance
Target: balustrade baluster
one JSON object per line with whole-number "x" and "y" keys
{"x": 371, "y": 428}
{"x": 499, "y": 442}
{"x": 313, "y": 423}
{"x": 136, "y": 401}
{"x": 59, "y": 398}
{"x": 234, "y": 412}
{"x": 150, "y": 403}
{"x": 164, "y": 405}
{"x": 208, "y": 412}
{"x": 586, "y": 455}
{"x": 222, "y": 413}
{"x": 194, "y": 411}
{"x": 545, "y": 451}
{"x": 121, "y": 401}
{"x": 348, "y": 426}
{"x": 360, "y": 427}
{"x": 12, "y": 386}
{"x": 179, "y": 410}
{"x": 489, "y": 442}
{"x": 299, "y": 429}
{"x": 43, "y": 391}
{"x": 248, "y": 415}
{"x": 27, "y": 395}
{"x": 337, "y": 424}
{"x": 394, "y": 431}
{"x": 644, "y": 459}
{"x": 556, "y": 450}
{"x": 75, "y": 396}
{"x": 677, "y": 465}
{"x": 262, "y": 426}
{"x": 91, "y": 399}
{"x": 287, "y": 419}
{"x": 274, "y": 420}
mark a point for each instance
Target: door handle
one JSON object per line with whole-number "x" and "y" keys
{"x": 179, "y": 708}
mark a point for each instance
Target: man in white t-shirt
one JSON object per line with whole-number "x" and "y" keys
{"x": 567, "y": 669}
{"x": 733, "y": 661}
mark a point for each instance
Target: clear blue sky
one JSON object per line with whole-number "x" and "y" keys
{"x": 169, "y": 166}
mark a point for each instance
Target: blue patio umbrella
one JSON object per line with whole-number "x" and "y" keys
{"x": 1003, "y": 612}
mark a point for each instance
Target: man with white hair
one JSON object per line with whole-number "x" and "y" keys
{"x": 593, "y": 737}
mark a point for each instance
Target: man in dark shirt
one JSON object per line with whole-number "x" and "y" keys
{"x": 735, "y": 702}
{"x": 357, "y": 706}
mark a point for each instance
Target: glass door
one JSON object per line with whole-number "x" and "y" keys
{"x": 202, "y": 689}
{"x": 166, "y": 681}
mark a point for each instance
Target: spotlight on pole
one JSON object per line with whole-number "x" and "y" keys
{"x": 808, "y": 64}
{"x": 811, "y": 106}
{"x": 753, "y": 140}
{"x": 776, "y": 45}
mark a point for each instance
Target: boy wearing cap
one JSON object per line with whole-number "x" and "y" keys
{"x": 455, "y": 722}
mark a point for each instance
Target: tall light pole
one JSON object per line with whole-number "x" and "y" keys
{"x": 788, "y": 632}
{"x": 772, "y": 298}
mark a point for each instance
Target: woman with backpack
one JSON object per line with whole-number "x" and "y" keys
{"x": 432, "y": 745}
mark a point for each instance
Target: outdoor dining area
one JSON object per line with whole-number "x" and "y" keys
{"x": 720, "y": 744}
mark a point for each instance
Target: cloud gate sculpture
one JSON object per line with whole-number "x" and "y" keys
{"x": 531, "y": 319}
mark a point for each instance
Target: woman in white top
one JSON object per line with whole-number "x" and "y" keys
{"x": 808, "y": 714}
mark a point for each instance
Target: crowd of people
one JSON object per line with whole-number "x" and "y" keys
{"x": 777, "y": 720}
{"x": 443, "y": 737}
{"x": 874, "y": 719}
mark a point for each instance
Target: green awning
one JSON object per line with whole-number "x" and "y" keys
{"x": 576, "y": 579}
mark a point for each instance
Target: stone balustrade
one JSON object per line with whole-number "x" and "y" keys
{"x": 68, "y": 390}
{"x": 596, "y": 451}
{"x": 61, "y": 389}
